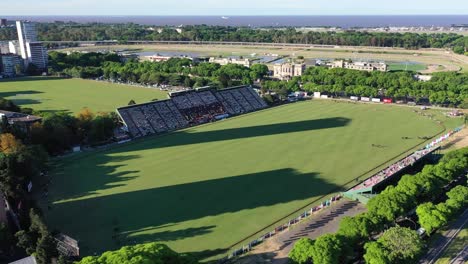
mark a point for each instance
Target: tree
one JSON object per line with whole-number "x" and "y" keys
{"x": 302, "y": 251}
{"x": 430, "y": 217}
{"x": 25, "y": 241}
{"x": 18, "y": 69}
{"x": 258, "y": 71}
{"x": 84, "y": 122}
{"x": 356, "y": 228}
{"x": 328, "y": 249}
{"x": 457, "y": 198}
{"x": 390, "y": 204}
{"x": 46, "y": 249}
{"x": 5, "y": 239}
{"x": 397, "y": 245}
{"x": 8, "y": 105}
{"x": 9, "y": 144}
{"x": 150, "y": 253}
{"x": 102, "y": 128}
{"x": 376, "y": 254}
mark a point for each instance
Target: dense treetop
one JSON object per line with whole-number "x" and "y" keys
{"x": 150, "y": 253}
{"x": 130, "y": 31}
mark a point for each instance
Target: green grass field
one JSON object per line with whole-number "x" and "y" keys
{"x": 55, "y": 94}
{"x": 410, "y": 67}
{"x": 205, "y": 188}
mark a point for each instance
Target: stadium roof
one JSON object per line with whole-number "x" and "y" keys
{"x": 19, "y": 117}
{"x": 28, "y": 260}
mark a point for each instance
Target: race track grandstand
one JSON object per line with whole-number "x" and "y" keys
{"x": 365, "y": 190}
{"x": 189, "y": 108}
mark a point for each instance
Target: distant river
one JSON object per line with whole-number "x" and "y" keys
{"x": 267, "y": 21}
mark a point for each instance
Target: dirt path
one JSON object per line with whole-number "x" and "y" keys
{"x": 459, "y": 140}
{"x": 276, "y": 249}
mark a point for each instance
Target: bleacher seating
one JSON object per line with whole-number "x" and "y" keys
{"x": 241, "y": 99}
{"x": 188, "y": 108}
{"x": 177, "y": 114}
{"x": 154, "y": 118}
{"x": 235, "y": 105}
{"x": 132, "y": 128}
{"x": 166, "y": 115}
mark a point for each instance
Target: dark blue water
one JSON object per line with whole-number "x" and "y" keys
{"x": 267, "y": 21}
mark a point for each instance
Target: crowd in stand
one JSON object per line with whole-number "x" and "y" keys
{"x": 188, "y": 108}
{"x": 393, "y": 169}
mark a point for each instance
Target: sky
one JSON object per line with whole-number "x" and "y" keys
{"x": 232, "y": 7}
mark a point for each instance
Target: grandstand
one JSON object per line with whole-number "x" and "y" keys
{"x": 189, "y": 108}
{"x": 366, "y": 189}
{"x": 67, "y": 246}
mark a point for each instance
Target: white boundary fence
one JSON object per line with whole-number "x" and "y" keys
{"x": 312, "y": 211}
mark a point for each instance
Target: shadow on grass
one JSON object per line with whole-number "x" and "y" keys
{"x": 268, "y": 257}
{"x": 32, "y": 78}
{"x": 18, "y": 93}
{"x": 54, "y": 111}
{"x": 102, "y": 177}
{"x": 22, "y": 102}
{"x": 168, "y": 235}
{"x": 135, "y": 214}
{"x": 188, "y": 137}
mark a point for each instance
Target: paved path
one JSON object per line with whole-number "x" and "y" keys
{"x": 442, "y": 243}
{"x": 276, "y": 249}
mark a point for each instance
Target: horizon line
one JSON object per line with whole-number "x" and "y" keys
{"x": 282, "y": 15}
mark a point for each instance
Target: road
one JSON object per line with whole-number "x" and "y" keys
{"x": 442, "y": 243}
{"x": 276, "y": 249}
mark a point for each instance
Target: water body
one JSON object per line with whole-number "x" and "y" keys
{"x": 269, "y": 21}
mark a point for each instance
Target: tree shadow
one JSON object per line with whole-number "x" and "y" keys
{"x": 53, "y": 111}
{"x": 33, "y": 78}
{"x": 259, "y": 258}
{"x": 136, "y": 215}
{"x": 18, "y": 93}
{"x": 167, "y": 235}
{"x": 21, "y": 102}
{"x": 102, "y": 177}
{"x": 191, "y": 136}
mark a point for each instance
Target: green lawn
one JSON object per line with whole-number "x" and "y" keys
{"x": 55, "y": 94}
{"x": 410, "y": 67}
{"x": 207, "y": 187}
{"x": 457, "y": 244}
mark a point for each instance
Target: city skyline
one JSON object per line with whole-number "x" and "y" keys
{"x": 234, "y": 8}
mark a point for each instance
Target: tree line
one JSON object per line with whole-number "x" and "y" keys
{"x": 175, "y": 71}
{"x": 141, "y": 253}
{"x": 445, "y": 88}
{"x": 356, "y": 236}
{"x": 123, "y": 32}
{"x": 24, "y": 159}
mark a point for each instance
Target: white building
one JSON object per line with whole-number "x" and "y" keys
{"x": 13, "y": 47}
{"x": 26, "y": 33}
{"x": 359, "y": 65}
{"x": 9, "y": 63}
{"x": 422, "y": 78}
{"x": 225, "y": 61}
{"x": 30, "y": 49}
{"x": 37, "y": 54}
{"x": 288, "y": 70}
